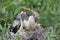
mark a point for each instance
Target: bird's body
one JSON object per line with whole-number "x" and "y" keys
{"x": 29, "y": 24}
{"x": 17, "y": 22}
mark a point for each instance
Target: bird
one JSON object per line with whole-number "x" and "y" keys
{"x": 28, "y": 21}
{"x": 16, "y": 23}
{"x": 31, "y": 23}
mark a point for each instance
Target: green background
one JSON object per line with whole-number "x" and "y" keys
{"x": 49, "y": 14}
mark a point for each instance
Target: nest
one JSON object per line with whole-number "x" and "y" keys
{"x": 39, "y": 34}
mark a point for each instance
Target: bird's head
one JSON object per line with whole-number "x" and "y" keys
{"x": 40, "y": 25}
{"x": 23, "y": 12}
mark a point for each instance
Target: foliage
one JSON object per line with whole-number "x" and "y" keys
{"x": 49, "y": 12}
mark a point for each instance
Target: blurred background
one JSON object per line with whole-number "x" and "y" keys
{"x": 49, "y": 12}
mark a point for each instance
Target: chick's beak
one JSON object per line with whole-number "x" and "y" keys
{"x": 40, "y": 25}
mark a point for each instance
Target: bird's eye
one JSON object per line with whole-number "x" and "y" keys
{"x": 41, "y": 25}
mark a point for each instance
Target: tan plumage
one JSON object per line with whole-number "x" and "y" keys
{"x": 30, "y": 24}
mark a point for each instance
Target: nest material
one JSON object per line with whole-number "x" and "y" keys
{"x": 39, "y": 34}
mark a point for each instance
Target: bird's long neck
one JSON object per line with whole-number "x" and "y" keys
{"x": 36, "y": 13}
{"x": 21, "y": 21}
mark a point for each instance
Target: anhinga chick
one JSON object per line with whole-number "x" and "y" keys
{"x": 17, "y": 23}
{"x": 31, "y": 23}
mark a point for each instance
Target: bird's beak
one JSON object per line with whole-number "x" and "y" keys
{"x": 22, "y": 12}
{"x": 40, "y": 26}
